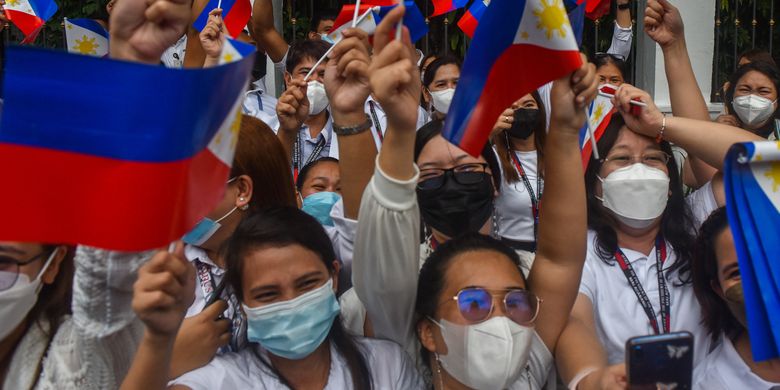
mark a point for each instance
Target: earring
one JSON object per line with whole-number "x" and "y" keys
{"x": 438, "y": 371}
{"x": 494, "y": 230}
{"x": 245, "y": 206}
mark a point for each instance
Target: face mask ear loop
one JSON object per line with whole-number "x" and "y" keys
{"x": 438, "y": 371}
{"x": 45, "y": 267}
{"x": 226, "y": 215}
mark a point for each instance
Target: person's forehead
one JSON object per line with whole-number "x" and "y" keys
{"x": 755, "y": 79}
{"x": 449, "y": 71}
{"x": 628, "y": 140}
{"x": 308, "y": 62}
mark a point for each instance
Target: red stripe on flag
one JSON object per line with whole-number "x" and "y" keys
{"x": 441, "y": 7}
{"x": 587, "y": 149}
{"x": 238, "y": 16}
{"x": 72, "y": 198}
{"x": 468, "y": 24}
{"x": 513, "y": 75}
{"x": 28, "y": 23}
{"x": 347, "y": 13}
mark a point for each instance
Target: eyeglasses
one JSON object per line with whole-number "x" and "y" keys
{"x": 434, "y": 178}
{"x": 9, "y": 269}
{"x": 476, "y": 304}
{"x": 656, "y": 159}
{"x": 601, "y": 55}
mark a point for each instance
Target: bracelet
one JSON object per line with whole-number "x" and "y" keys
{"x": 580, "y": 376}
{"x": 624, "y": 6}
{"x": 660, "y": 136}
{"x": 352, "y": 130}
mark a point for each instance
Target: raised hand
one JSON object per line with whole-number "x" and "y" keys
{"x": 663, "y": 23}
{"x": 293, "y": 107}
{"x": 199, "y": 339}
{"x": 141, "y": 30}
{"x": 645, "y": 121}
{"x": 394, "y": 76}
{"x": 346, "y": 74}
{"x": 570, "y": 96}
{"x": 504, "y": 121}
{"x": 164, "y": 290}
{"x": 212, "y": 37}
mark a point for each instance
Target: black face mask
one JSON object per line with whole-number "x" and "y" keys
{"x": 456, "y": 208}
{"x": 524, "y": 123}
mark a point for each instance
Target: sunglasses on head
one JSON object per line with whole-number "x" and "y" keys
{"x": 476, "y": 304}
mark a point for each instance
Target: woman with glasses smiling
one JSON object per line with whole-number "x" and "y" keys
{"x": 481, "y": 323}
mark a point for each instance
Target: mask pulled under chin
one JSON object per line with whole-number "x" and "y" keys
{"x": 636, "y": 195}
{"x": 490, "y": 355}
{"x": 735, "y": 300}
{"x": 456, "y": 208}
{"x": 318, "y": 99}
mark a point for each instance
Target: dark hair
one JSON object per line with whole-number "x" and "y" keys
{"x": 434, "y": 66}
{"x": 426, "y": 57}
{"x": 304, "y": 173}
{"x": 430, "y": 283}
{"x": 320, "y": 15}
{"x": 303, "y": 49}
{"x": 604, "y": 59}
{"x": 715, "y": 314}
{"x": 283, "y": 226}
{"x": 433, "y": 128}
{"x": 260, "y": 155}
{"x": 676, "y": 222}
{"x": 503, "y": 146}
{"x": 757, "y": 55}
{"x": 768, "y": 70}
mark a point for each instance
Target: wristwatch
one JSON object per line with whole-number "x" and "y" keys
{"x": 352, "y": 130}
{"x": 624, "y": 6}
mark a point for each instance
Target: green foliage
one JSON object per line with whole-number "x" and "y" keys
{"x": 52, "y": 35}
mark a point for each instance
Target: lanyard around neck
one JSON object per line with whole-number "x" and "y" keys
{"x": 639, "y": 291}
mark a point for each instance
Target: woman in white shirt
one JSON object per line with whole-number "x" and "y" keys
{"x": 282, "y": 267}
{"x": 718, "y": 287}
{"x": 518, "y": 140}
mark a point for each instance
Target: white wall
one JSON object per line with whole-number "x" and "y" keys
{"x": 699, "y": 19}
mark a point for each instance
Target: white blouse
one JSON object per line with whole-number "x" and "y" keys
{"x": 513, "y": 205}
{"x": 725, "y": 369}
{"x": 389, "y": 366}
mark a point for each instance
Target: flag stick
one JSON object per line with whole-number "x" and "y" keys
{"x": 330, "y": 49}
{"x": 355, "y": 14}
{"x": 219, "y": 4}
{"x": 592, "y": 135}
{"x": 400, "y": 26}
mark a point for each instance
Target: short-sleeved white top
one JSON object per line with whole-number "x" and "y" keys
{"x": 724, "y": 369}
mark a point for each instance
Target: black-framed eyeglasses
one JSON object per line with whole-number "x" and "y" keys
{"x": 654, "y": 159}
{"x": 614, "y": 56}
{"x": 9, "y": 269}
{"x": 434, "y": 178}
{"x": 476, "y": 304}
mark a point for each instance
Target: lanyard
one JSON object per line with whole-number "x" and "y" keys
{"x": 663, "y": 291}
{"x": 535, "y": 198}
{"x": 777, "y": 129}
{"x": 259, "y": 101}
{"x": 298, "y": 152}
{"x": 208, "y": 286}
{"x": 375, "y": 119}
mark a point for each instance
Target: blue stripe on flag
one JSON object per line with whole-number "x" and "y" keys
{"x": 244, "y": 49}
{"x": 492, "y": 38}
{"x": 413, "y": 20}
{"x": 132, "y": 117}
{"x": 44, "y": 9}
{"x": 91, "y": 25}
{"x": 203, "y": 18}
{"x": 755, "y": 226}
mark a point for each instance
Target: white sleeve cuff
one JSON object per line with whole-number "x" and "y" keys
{"x": 392, "y": 193}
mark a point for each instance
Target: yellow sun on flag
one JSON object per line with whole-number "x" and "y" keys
{"x": 86, "y": 45}
{"x": 235, "y": 128}
{"x": 773, "y": 173}
{"x": 227, "y": 58}
{"x": 12, "y": 3}
{"x": 552, "y": 18}
{"x": 598, "y": 113}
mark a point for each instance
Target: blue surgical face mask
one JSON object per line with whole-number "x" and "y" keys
{"x": 204, "y": 230}
{"x": 319, "y": 204}
{"x": 294, "y": 329}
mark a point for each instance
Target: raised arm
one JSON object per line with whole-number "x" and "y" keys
{"x": 266, "y": 37}
{"x": 346, "y": 82}
{"x": 194, "y": 55}
{"x": 557, "y": 269}
{"x": 622, "y": 34}
{"x": 386, "y": 261}
{"x": 212, "y": 38}
{"x": 664, "y": 25}
{"x": 141, "y": 31}
{"x": 708, "y": 140}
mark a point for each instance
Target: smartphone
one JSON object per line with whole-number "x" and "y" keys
{"x": 663, "y": 361}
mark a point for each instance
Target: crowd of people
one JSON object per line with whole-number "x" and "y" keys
{"x": 355, "y": 247}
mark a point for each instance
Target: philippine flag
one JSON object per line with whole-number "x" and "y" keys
{"x": 520, "y": 46}
{"x": 441, "y": 7}
{"x": 129, "y": 174}
{"x": 235, "y": 14}
{"x": 30, "y": 15}
{"x": 86, "y": 36}
{"x": 752, "y": 185}
{"x": 599, "y": 115}
{"x": 371, "y": 16}
{"x": 470, "y": 20}
{"x": 233, "y": 50}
